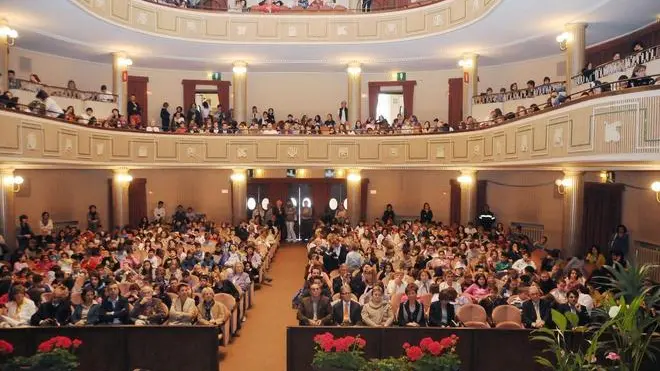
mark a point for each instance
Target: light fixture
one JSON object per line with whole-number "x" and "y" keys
{"x": 124, "y": 62}
{"x": 354, "y": 177}
{"x": 10, "y": 34}
{"x": 237, "y": 177}
{"x": 465, "y": 63}
{"x": 239, "y": 68}
{"x": 655, "y": 187}
{"x": 563, "y": 39}
{"x": 562, "y": 184}
{"x": 603, "y": 176}
{"x": 354, "y": 69}
{"x": 465, "y": 179}
{"x": 124, "y": 178}
{"x": 14, "y": 181}
{"x": 340, "y": 173}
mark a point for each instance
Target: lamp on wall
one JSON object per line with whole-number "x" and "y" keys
{"x": 239, "y": 68}
{"x": 354, "y": 177}
{"x": 237, "y": 177}
{"x": 124, "y": 62}
{"x": 655, "y": 187}
{"x": 466, "y": 63}
{"x": 10, "y": 33}
{"x": 562, "y": 184}
{"x": 465, "y": 179}
{"x": 124, "y": 178}
{"x": 14, "y": 181}
{"x": 354, "y": 69}
{"x": 563, "y": 40}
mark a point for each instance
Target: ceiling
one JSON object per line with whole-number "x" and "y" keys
{"x": 513, "y": 31}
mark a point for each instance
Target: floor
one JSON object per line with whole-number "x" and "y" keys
{"x": 261, "y": 344}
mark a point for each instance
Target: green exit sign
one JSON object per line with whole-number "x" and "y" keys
{"x": 216, "y": 76}
{"x": 400, "y": 76}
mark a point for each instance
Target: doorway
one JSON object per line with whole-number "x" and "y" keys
{"x": 390, "y": 105}
{"x": 138, "y": 86}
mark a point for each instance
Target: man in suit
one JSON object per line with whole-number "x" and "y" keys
{"x": 343, "y": 113}
{"x": 315, "y": 310}
{"x": 334, "y": 255}
{"x": 575, "y": 308}
{"x": 346, "y": 312}
{"x": 441, "y": 312}
{"x": 535, "y": 311}
{"x": 56, "y": 312}
{"x": 114, "y": 308}
{"x": 344, "y": 278}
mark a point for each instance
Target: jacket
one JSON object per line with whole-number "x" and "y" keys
{"x": 155, "y": 310}
{"x": 377, "y": 314}
{"x": 406, "y": 316}
{"x": 435, "y": 314}
{"x": 108, "y": 313}
{"x": 48, "y": 311}
{"x": 306, "y": 311}
{"x": 354, "y": 310}
{"x": 219, "y": 313}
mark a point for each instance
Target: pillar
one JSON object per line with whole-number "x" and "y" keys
{"x": 354, "y": 92}
{"x": 468, "y": 183}
{"x": 8, "y": 221}
{"x": 120, "y": 182}
{"x": 469, "y": 65}
{"x": 573, "y": 211}
{"x": 575, "y": 51}
{"x": 354, "y": 195}
{"x": 238, "y": 196}
{"x": 4, "y": 59}
{"x": 354, "y": 4}
{"x": 239, "y": 84}
{"x": 120, "y": 63}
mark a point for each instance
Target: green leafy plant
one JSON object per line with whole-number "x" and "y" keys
{"x": 387, "y": 364}
{"x": 55, "y": 354}
{"x": 341, "y": 353}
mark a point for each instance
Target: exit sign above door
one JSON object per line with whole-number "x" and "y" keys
{"x": 400, "y": 76}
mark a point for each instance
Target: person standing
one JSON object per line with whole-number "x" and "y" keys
{"x": 342, "y": 116}
{"x": 290, "y": 214}
{"x": 24, "y": 233}
{"x": 134, "y": 112}
{"x": 486, "y": 218}
{"x": 306, "y": 223}
{"x": 165, "y": 117}
{"x": 620, "y": 242}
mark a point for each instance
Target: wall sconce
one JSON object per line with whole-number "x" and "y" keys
{"x": 354, "y": 177}
{"x": 655, "y": 187}
{"x": 563, "y": 40}
{"x": 124, "y": 178}
{"x": 562, "y": 184}
{"x": 237, "y": 177}
{"x": 340, "y": 173}
{"x": 239, "y": 68}
{"x": 465, "y": 179}
{"x": 354, "y": 69}
{"x": 124, "y": 62}
{"x": 10, "y": 33}
{"x": 466, "y": 63}
{"x": 14, "y": 181}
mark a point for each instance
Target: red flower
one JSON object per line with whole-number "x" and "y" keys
{"x": 424, "y": 344}
{"x": 435, "y": 348}
{"x": 406, "y": 345}
{"x": 414, "y": 353}
{"x": 45, "y": 347}
{"x": 341, "y": 345}
{"x": 326, "y": 345}
{"x": 447, "y": 342}
{"x": 321, "y": 338}
{"x": 361, "y": 343}
{"x": 63, "y": 342}
{"x": 6, "y": 347}
{"x": 77, "y": 343}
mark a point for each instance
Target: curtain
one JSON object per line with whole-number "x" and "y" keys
{"x": 455, "y": 101}
{"x": 454, "y": 202}
{"x": 364, "y": 198}
{"x": 188, "y": 93}
{"x": 111, "y": 208}
{"x": 408, "y": 98}
{"x": 223, "y": 94}
{"x": 374, "y": 89}
{"x": 482, "y": 200}
{"x": 320, "y": 198}
{"x": 602, "y": 213}
{"x": 137, "y": 201}
{"x": 138, "y": 85}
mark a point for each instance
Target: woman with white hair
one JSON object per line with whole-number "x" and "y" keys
{"x": 210, "y": 311}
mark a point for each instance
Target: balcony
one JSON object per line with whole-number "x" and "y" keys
{"x": 613, "y": 128}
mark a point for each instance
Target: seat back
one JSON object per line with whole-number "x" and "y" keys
{"x": 124, "y": 288}
{"x": 506, "y": 313}
{"x": 226, "y": 299}
{"x": 472, "y": 313}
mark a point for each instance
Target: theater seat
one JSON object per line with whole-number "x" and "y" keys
{"x": 508, "y": 325}
{"x": 473, "y": 315}
{"x": 507, "y": 316}
{"x": 230, "y": 303}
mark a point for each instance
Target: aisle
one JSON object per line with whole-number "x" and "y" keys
{"x": 262, "y": 341}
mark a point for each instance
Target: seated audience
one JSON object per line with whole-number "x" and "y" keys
{"x": 377, "y": 312}
{"x": 346, "y": 312}
{"x": 411, "y": 312}
{"x": 183, "y": 310}
{"x": 535, "y": 311}
{"x": 315, "y": 310}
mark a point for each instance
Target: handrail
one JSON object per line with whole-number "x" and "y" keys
{"x": 544, "y": 89}
{"x": 59, "y": 91}
{"x": 620, "y": 65}
{"x": 216, "y": 6}
{"x": 104, "y": 124}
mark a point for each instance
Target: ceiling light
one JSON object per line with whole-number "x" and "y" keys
{"x": 239, "y": 68}
{"x": 124, "y": 62}
{"x": 465, "y": 179}
{"x": 354, "y": 177}
{"x": 354, "y": 70}
{"x": 237, "y": 177}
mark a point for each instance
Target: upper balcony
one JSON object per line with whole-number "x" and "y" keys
{"x": 608, "y": 130}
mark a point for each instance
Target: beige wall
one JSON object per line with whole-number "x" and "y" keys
{"x": 641, "y": 211}
{"x": 296, "y": 93}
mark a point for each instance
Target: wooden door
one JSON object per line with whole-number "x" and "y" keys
{"x": 455, "y": 101}
{"x": 138, "y": 85}
{"x": 454, "y": 202}
{"x": 137, "y": 201}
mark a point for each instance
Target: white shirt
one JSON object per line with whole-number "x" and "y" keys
{"x": 587, "y": 301}
{"x": 52, "y": 109}
{"x": 159, "y": 212}
{"x": 21, "y": 315}
{"x": 455, "y": 285}
{"x": 105, "y": 97}
{"x": 521, "y": 264}
{"x": 393, "y": 288}
{"x": 47, "y": 228}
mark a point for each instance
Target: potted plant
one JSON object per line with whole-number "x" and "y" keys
{"x": 335, "y": 354}
{"x": 6, "y": 349}
{"x": 54, "y": 354}
{"x": 429, "y": 355}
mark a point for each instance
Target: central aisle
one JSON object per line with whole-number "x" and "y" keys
{"x": 262, "y": 341}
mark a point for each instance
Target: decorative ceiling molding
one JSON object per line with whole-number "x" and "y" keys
{"x": 306, "y": 28}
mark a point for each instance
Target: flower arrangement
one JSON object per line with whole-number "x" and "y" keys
{"x": 6, "y": 348}
{"x": 54, "y": 354}
{"x": 429, "y": 355}
{"x": 343, "y": 353}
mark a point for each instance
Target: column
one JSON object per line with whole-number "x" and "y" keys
{"x": 573, "y": 211}
{"x": 120, "y": 182}
{"x": 4, "y": 55}
{"x": 354, "y": 195}
{"x": 468, "y": 182}
{"x": 575, "y": 51}
{"x": 354, "y": 92}
{"x": 238, "y": 196}
{"x": 120, "y": 63}
{"x": 8, "y": 221}
{"x": 469, "y": 65}
{"x": 239, "y": 84}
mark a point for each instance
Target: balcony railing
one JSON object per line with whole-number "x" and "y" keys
{"x": 305, "y": 7}
{"x": 618, "y": 66}
{"x": 59, "y": 91}
{"x": 537, "y": 91}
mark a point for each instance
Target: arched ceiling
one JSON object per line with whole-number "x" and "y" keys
{"x": 514, "y": 30}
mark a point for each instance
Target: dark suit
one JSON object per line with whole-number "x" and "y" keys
{"x": 583, "y": 315}
{"x": 406, "y": 315}
{"x": 355, "y": 313}
{"x": 357, "y": 285}
{"x": 337, "y": 283}
{"x": 529, "y": 313}
{"x": 50, "y": 312}
{"x": 323, "y": 311}
{"x": 343, "y": 114}
{"x": 108, "y": 312}
{"x": 435, "y": 314}
{"x": 332, "y": 260}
